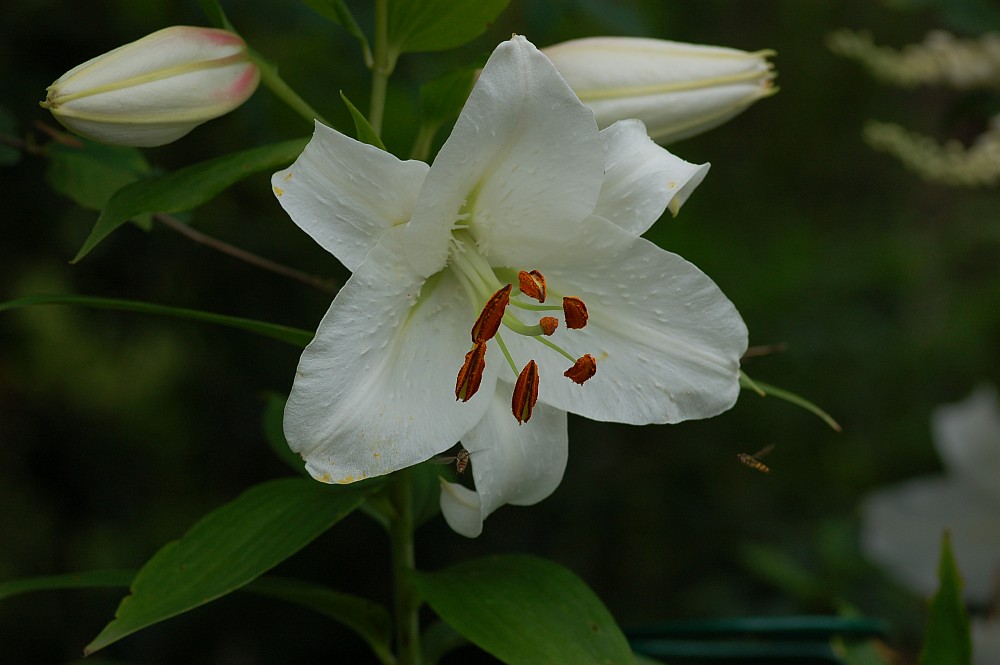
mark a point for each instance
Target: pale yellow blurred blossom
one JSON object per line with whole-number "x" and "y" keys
{"x": 941, "y": 58}
{"x": 156, "y": 89}
{"x": 950, "y": 163}
{"x": 677, "y": 90}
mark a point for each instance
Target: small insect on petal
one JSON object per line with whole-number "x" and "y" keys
{"x": 488, "y": 323}
{"x": 471, "y": 374}
{"x": 575, "y": 311}
{"x": 525, "y": 392}
{"x": 582, "y": 369}
{"x": 461, "y": 461}
{"x": 548, "y": 324}
{"x": 532, "y": 284}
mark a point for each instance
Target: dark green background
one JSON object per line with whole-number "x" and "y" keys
{"x": 117, "y": 431}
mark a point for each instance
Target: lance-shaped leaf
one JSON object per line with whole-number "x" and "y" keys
{"x": 90, "y": 172}
{"x": 366, "y": 618}
{"x": 437, "y": 25}
{"x": 186, "y": 188}
{"x": 87, "y": 579}
{"x": 526, "y": 610}
{"x": 295, "y": 336}
{"x": 337, "y": 11}
{"x": 228, "y": 548}
{"x": 947, "y": 640}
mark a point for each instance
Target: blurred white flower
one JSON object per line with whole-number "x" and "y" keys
{"x": 986, "y": 641}
{"x": 678, "y": 90}
{"x": 903, "y": 524}
{"x": 157, "y": 89}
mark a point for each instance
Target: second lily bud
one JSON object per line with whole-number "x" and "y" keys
{"x": 678, "y": 90}
{"x": 157, "y": 89}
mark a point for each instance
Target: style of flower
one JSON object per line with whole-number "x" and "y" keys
{"x": 157, "y": 89}
{"x": 678, "y": 90}
{"x": 498, "y": 289}
{"x": 902, "y": 525}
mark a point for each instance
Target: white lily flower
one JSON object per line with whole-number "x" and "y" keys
{"x": 677, "y": 89}
{"x": 157, "y": 89}
{"x": 902, "y": 525}
{"x": 526, "y": 204}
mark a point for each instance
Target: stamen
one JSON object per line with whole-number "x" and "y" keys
{"x": 532, "y": 284}
{"x": 471, "y": 374}
{"x": 525, "y": 392}
{"x": 575, "y": 311}
{"x": 583, "y": 369}
{"x": 488, "y": 323}
{"x": 548, "y": 324}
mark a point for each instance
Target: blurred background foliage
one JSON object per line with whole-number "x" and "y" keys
{"x": 118, "y": 430}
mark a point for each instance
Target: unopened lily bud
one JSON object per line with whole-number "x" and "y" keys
{"x": 157, "y": 89}
{"x": 678, "y": 90}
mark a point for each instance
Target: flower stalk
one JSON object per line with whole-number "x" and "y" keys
{"x": 272, "y": 81}
{"x": 381, "y": 68}
{"x": 406, "y": 601}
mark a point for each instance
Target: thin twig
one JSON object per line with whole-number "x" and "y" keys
{"x": 325, "y": 285}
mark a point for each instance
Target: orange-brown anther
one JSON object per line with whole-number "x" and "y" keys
{"x": 525, "y": 392}
{"x": 488, "y": 323}
{"x": 532, "y": 284}
{"x": 548, "y": 324}
{"x": 582, "y": 369}
{"x": 471, "y": 374}
{"x": 575, "y": 311}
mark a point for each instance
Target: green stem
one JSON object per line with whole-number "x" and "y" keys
{"x": 382, "y": 66}
{"x": 269, "y": 77}
{"x": 422, "y": 144}
{"x": 407, "y": 600}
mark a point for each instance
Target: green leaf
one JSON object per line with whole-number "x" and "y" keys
{"x": 90, "y": 172}
{"x": 228, "y": 548}
{"x": 525, "y": 610}
{"x": 337, "y": 11}
{"x": 947, "y": 639}
{"x": 188, "y": 187}
{"x": 436, "y": 25}
{"x": 362, "y": 128}
{"x": 90, "y": 579}
{"x": 764, "y": 389}
{"x": 274, "y": 432}
{"x": 366, "y": 618}
{"x": 294, "y": 336}
{"x": 438, "y": 641}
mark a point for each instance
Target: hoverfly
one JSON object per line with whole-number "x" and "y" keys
{"x": 461, "y": 460}
{"x": 753, "y": 461}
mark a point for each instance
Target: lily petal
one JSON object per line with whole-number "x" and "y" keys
{"x": 371, "y": 394}
{"x": 902, "y": 527}
{"x": 345, "y": 194}
{"x": 511, "y": 463}
{"x": 642, "y": 179}
{"x": 524, "y": 163}
{"x": 666, "y": 339}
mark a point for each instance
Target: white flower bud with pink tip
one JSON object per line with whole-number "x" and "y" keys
{"x": 157, "y": 89}
{"x": 678, "y": 90}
